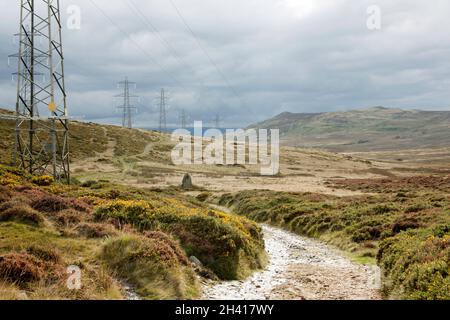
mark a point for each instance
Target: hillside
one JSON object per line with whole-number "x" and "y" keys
{"x": 372, "y": 129}
{"x": 126, "y": 198}
{"x": 104, "y": 152}
{"x": 121, "y": 238}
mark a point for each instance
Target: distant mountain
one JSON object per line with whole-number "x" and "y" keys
{"x": 372, "y": 129}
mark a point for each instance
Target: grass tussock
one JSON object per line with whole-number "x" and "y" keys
{"x": 153, "y": 264}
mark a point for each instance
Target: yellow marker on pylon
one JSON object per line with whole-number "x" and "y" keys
{"x": 52, "y": 106}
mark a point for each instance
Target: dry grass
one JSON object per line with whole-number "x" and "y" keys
{"x": 154, "y": 264}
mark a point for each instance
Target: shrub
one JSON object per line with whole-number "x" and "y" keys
{"x": 42, "y": 180}
{"x": 381, "y": 209}
{"x": 95, "y": 230}
{"x": 9, "y": 180}
{"x": 21, "y": 213}
{"x": 68, "y": 217}
{"x": 367, "y": 233}
{"x": 21, "y": 268}
{"x": 416, "y": 208}
{"x": 88, "y": 184}
{"x": 123, "y": 211}
{"x": 5, "y": 194}
{"x": 418, "y": 263}
{"x": 203, "y": 196}
{"x": 174, "y": 247}
{"x": 79, "y": 205}
{"x": 405, "y": 224}
{"x": 49, "y": 203}
{"x": 231, "y": 246}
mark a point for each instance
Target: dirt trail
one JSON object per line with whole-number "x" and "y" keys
{"x": 300, "y": 268}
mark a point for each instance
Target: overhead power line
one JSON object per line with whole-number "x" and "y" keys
{"x": 197, "y": 40}
{"x": 137, "y": 45}
{"x": 147, "y": 22}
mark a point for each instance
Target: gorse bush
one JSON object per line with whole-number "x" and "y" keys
{"x": 42, "y": 180}
{"x": 10, "y": 176}
{"x": 418, "y": 263}
{"x": 231, "y": 246}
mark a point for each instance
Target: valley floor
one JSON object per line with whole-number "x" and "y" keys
{"x": 390, "y": 208}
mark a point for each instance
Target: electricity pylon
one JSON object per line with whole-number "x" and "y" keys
{"x": 217, "y": 121}
{"x": 183, "y": 119}
{"x": 127, "y": 121}
{"x": 162, "y": 111}
{"x": 41, "y": 142}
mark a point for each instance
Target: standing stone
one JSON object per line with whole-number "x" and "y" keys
{"x": 195, "y": 261}
{"x": 187, "y": 182}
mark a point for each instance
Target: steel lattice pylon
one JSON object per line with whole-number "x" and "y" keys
{"x": 127, "y": 107}
{"x": 162, "y": 112}
{"x": 42, "y": 128}
{"x": 183, "y": 118}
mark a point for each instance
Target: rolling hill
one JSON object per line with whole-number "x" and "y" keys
{"x": 372, "y": 129}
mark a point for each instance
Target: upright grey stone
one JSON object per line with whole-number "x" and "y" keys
{"x": 187, "y": 181}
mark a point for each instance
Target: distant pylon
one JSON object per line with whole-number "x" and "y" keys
{"x": 183, "y": 119}
{"x": 127, "y": 108}
{"x": 217, "y": 121}
{"x": 162, "y": 111}
{"x": 41, "y": 142}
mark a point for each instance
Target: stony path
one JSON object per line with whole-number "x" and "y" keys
{"x": 300, "y": 268}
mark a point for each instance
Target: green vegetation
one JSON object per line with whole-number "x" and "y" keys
{"x": 230, "y": 246}
{"x": 406, "y": 232}
{"x": 153, "y": 263}
{"x": 115, "y": 234}
{"x": 416, "y": 263}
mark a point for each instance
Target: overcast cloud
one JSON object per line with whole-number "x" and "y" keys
{"x": 277, "y": 55}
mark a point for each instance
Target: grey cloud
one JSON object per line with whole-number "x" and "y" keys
{"x": 279, "y": 55}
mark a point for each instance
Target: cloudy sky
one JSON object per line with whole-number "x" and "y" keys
{"x": 247, "y": 60}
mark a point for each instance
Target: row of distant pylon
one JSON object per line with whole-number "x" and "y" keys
{"x": 128, "y": 109}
